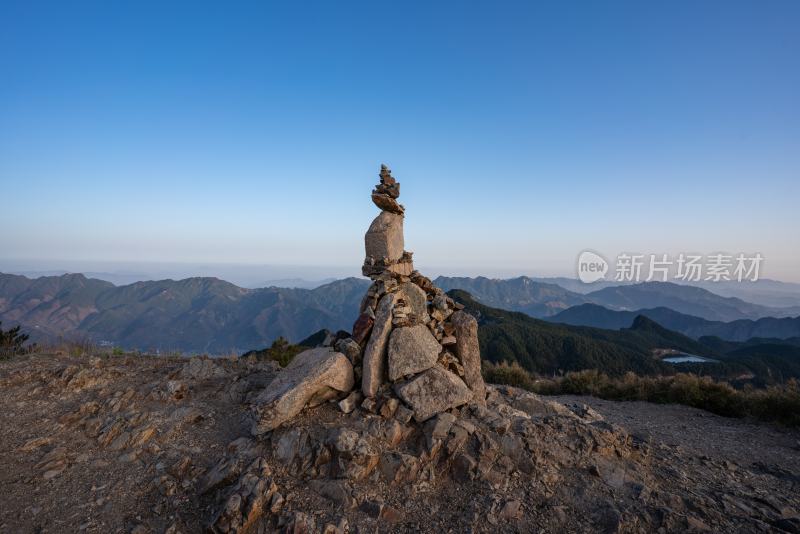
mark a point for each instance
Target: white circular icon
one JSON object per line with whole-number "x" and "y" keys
{"x": 591, "y": 267}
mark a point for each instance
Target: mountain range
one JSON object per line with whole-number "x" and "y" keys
{"x": 541, "y": 299}
{"x": 765, "y": 292}
{"x": 522, "y": 294}
{"x": 548, "y": 348}
{"x": 195, "y": 314}
{"x": 695, "y": 327}
{"x": 212, "y": 315}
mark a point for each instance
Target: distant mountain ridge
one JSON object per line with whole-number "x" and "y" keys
{"x": 541, "y": 300}
{"x": 685, "y": 299}
{"x": 194, "y": 314}
{"x": 764, "y": 292}
{"x": 696, "y": 327}
{"x": 522, "y": 294}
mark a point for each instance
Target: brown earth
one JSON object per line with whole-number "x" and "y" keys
{"x": 140, "y": 444}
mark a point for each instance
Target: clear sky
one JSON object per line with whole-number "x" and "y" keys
{"x": 522, "y": 133}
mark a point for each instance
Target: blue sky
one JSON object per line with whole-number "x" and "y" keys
{"x": 522, "y": 133}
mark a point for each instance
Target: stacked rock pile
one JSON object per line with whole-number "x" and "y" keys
{"x": 384, "y": 239}
{"x": 410, "y": 342}
{"x": 386, "y": 192}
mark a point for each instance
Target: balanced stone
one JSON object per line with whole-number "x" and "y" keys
{"x": 469, "y": 352}
{"x": 412, "y": 349}
{"x": 384, "y": 239}
{"x": 387, "y": 203}
{"x": 311, "y": 376}
{"x": 434, "y": 391}
{"x": 374, "y": 362}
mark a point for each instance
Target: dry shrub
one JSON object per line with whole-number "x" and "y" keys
{"x": 776, "y": 403}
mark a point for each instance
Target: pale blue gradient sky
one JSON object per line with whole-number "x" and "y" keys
{"x": 522, "y": 133}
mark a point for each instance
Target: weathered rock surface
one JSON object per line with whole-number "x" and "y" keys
{"x": 201, "y": 368}
{"x": 412, "y": 349}
{"x": 374, "y": 362}
{"x": 384, "y": 238}
{"x": 432, "y": 392}
{"x": 469, "y": 353}
{"x": 415, "y": 297}
{"x": 313, "y": 376}
{"x": 246, "y": 500}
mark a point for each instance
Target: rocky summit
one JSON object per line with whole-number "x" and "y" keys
{"x": 387, "y": 428}
{"x": 120, "y": 444}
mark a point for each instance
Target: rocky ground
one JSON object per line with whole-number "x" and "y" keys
{"x": 136, "y": 444}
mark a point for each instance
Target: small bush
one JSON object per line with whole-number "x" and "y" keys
{"x": 503, "y": 373}
{"x": 280, "y": 351}
{"x": 781, "y": 403}
{"x": 776, "y": 403}
{"x": 80, "y": 346}
{"x": 12, "y": 341}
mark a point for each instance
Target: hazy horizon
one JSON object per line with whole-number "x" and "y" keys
{"x": 243, "y": 274}
{"x": 254, "y": 275}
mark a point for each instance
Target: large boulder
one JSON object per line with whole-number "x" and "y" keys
{"x": 432, "y": 392}
{"x": 412, "y": 349}
{"x": 310, "y": 378}
{"x": 374, "y": 362}
{"x": 469, "y": 352}
{"x": 384, "y": 238}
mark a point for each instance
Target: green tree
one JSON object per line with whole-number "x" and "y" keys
{"x": 11, "y": 341}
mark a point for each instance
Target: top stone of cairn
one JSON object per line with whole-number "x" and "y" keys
{"x": 387, "y": 191}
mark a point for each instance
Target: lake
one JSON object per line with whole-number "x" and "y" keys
{"x": 688, "y": 358}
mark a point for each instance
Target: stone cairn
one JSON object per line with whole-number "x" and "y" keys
{"x": 412, "y": 348}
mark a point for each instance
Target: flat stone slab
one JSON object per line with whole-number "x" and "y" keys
{"x": 310, "y": 378}
{"x": 412, "y": 349}
{"x": 434, "y": 391}
{"x": 387, "y": 203}
{"x": 374, "y": 363}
